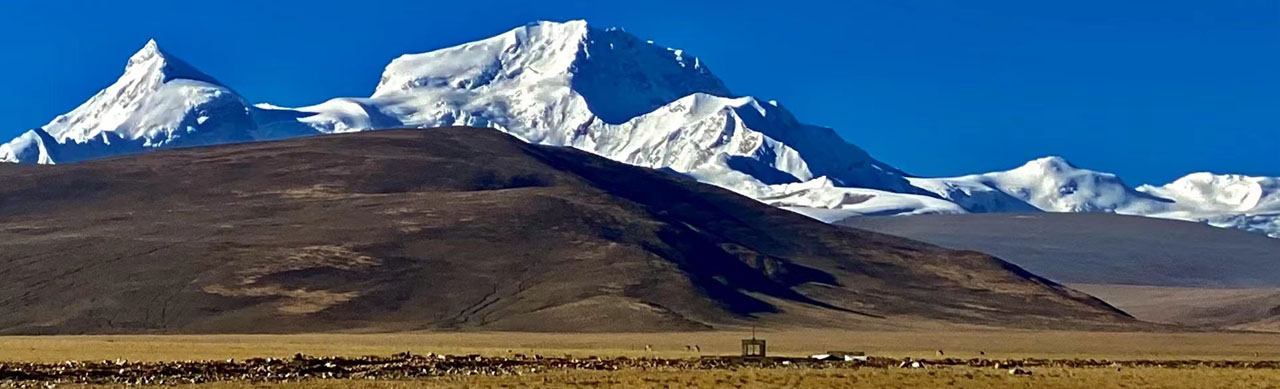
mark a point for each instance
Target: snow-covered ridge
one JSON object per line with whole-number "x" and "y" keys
{"x": 1048, "y": 184}
{"x": 1222, "y": 192}
{"x": 1054, "y": 185}
{"x": 1224, "y": 200}
{"x": 823, "y": 199}
{"x": 611, "y": 93}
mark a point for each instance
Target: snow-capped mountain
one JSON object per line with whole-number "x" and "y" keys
{"x": 1226, "y": 200}
{"x": 611, "y": 93}
{"x": 568, "y": 84}
{"x": 159, "y": 101}
{"x": 1222, "y": 192}
{"x": 1047, "y": 184}
{"x": 1054, "y": 185}
{"x": 608, "y": 92}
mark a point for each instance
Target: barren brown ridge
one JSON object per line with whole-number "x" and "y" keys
{"x": 461, "y": 228}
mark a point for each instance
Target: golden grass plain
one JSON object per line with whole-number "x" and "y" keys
{"x": 918, "y": 344}
{"x": 994, "y": 344}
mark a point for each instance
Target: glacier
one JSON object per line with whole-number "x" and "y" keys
{"x": 610, "y": 93}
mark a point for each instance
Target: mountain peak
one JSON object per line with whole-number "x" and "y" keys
{"x": 1051, "y": 163}
{"x": 1048, "y": 184}
{"x": 575, "y": 24}
{"x": 152, "y": 61}
{"x": 149, "y": 53}
{"x": 618, "y": 75}
{"x": 158, "y": 101}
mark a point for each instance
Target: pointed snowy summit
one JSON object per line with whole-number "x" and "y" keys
{"x": 159, "y": 101}
{"x": 149, "y": 51}
{"x": 152, "y": 62}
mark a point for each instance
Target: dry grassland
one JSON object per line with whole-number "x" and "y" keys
{"x": 959, "y": 344}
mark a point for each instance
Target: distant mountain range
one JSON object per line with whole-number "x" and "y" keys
{"x": 613, "y": 94}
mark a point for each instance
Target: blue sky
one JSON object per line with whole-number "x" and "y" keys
{"x": 1150, "y": 90}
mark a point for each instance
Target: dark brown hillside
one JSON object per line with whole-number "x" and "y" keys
{"x": 460, "y": 228}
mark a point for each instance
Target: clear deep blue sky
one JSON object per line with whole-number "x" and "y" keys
{"x": 1150, "y": 90}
